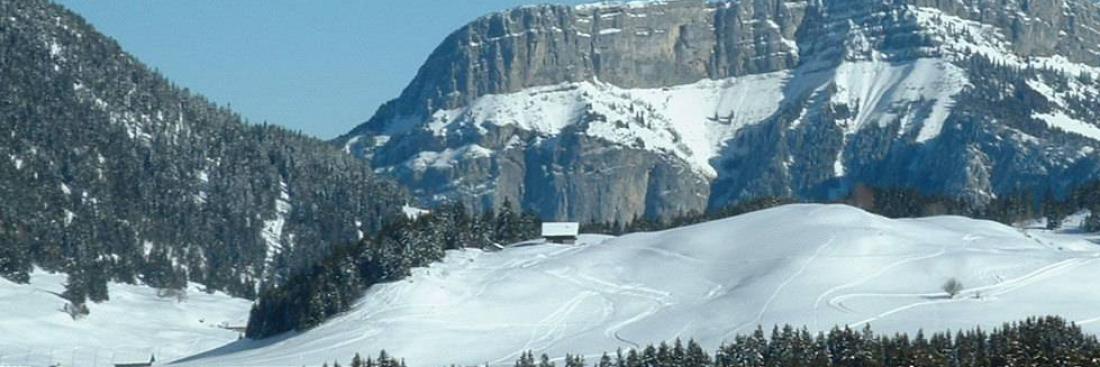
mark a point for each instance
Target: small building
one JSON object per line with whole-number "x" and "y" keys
{"x": 152, "y": 359}
{"x": 561, "y": 232}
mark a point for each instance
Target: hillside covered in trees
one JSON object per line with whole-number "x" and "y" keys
{"x": 332, "y": 285}
{"x": 110, "y": 171}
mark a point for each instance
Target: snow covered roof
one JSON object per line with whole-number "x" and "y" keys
{"x": 413, "y": 212}
{"x": 560, "y": 229}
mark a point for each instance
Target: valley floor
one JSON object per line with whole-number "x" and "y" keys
{"x": 134, "y": 325}
{"x": 806, "y": 265}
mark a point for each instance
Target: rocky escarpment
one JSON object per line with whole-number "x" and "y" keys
{"x": 685, "y": 105}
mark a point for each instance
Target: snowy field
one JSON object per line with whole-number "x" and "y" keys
{"x": 133, "y": 325}
{"x": 811, "y": 265}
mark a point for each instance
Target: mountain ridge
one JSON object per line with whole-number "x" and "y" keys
{"x": 635, "y": 49}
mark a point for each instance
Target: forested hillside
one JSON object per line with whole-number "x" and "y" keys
{"x": 110, "y": 171}
{"x": 334, "y": 284}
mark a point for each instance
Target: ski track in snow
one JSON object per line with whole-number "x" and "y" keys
{"x": 659, "y": 299}
{"x": 835, "y": 303}
{"x": 778, "y": 290}
{"x": 817, "y": 266}
{"x": 967, "y": 294}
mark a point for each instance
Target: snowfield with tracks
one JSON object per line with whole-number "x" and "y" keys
{"x": 136, "y": 323}
{"x": 806, "y": 265}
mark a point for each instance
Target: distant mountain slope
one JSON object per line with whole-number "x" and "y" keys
{"x": 812, "y": 265}
{"x": 622, "y": 109}
{"x": 107, "y": 170}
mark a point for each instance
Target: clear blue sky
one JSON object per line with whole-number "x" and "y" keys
{"x": 317, "y": 66}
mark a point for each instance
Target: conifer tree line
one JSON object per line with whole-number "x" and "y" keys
{"x": 904, "y": 203}
{"x": 1007, "y": 209}
{"x": 643, "y": 224}
{"x": 1036, "y": 341}
{"x": 1045, "y": 341}
{"x": 109, "y": 172}
{"x": 383, "y": 360}
{"x": 332, "y": 285}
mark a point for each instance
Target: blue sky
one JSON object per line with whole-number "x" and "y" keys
{"x": 317, "y": 66}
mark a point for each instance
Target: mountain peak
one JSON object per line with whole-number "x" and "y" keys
{"x": 746, "y": 99}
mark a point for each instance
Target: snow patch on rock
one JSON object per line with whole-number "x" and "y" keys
{"x": 273, "y": 231}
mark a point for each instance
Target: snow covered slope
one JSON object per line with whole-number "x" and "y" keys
{"x": 812, "y": 265}
{"x": 133, "y": 325}
{"x": 693, "y": 122}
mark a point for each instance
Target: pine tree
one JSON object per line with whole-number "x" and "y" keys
{"x": 605, "y": 361}
{"x": 574, "y": 361}
{"x": 357, "y": 361}
{"x": 544, "y": 361}
{"x": 633, "y": 359}
{"x": 695, "y": 356}
{"x": 822, "y": 354}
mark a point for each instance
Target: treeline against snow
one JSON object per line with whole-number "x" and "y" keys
{"x": 1047, "y": 341}
{"x": 643, "y": 224}
{"x": 1007, "y": 209}
{"x": 1037, "y": 341}
{"x": 383, "y": 360}
{"x": 903, "y": 203}
{"x": 331, "y": 285}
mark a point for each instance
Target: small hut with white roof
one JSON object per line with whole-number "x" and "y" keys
{"x": 561, "y": 232}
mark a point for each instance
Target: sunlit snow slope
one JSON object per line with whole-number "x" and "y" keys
{"x": 133, "y": 325}
{"x": 811, "y": 265}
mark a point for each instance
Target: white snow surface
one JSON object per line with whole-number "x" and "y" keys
{"x": 882, "y": 92}
{"x": 447, "y": 157}
{"x": 962, "y": 37}
{"x": 272, "y": 232}
{"x": 811, "y": 265}
{"x": 613, "y": 4}
{"x": 132, "y": 325}
{"x": 412, "y": 212}
{"x": 690, "y": 121}
{"x": 695, "y": 121}
{"x": 1058, "y": 119}
{"x": 1068, "y": 124}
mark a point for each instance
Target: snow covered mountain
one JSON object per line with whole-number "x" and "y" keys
{"x": 812, "y": 265}
{"x": 612, "y": 110}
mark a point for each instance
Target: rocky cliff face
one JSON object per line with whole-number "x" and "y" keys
{"x": 615, "y": 110}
